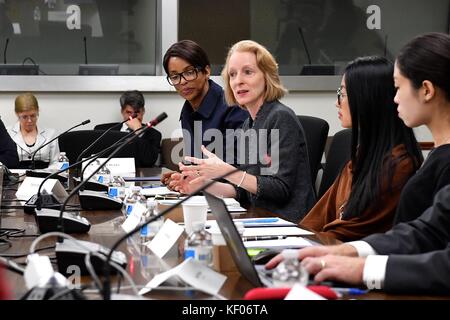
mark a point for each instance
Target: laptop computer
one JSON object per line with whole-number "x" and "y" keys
{"x": 256, "y": 275}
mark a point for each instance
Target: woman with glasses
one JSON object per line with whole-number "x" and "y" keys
{"x": 274, "y": 174}
{"x": 29, "y": 137}
{"x": 205, "y": 113}
{"x": 384, "y": 155}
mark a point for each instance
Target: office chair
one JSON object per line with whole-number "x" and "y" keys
{"x": 337, "y": 156}
{"x": 73, "y": 143}
{"x": 316, "y": 133}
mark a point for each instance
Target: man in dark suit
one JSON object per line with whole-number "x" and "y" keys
{"x": 412, "y": 257}
{"x": 147, "y": 144}
{"x": 8, "y": 149}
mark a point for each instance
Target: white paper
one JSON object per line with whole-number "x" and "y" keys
{"x": 166, "y": 237}
{"x": 299, "y": 292}
{"x": 30, "y": 186}
{"x": 151, "y": 192}
{"x": 289, "y": 242}
{"x": 277, "y": 231}
{"x": 134, "y": 218}
{"x": 194, "y": 274}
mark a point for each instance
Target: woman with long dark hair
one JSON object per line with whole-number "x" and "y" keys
{"x": 384, "y": 155}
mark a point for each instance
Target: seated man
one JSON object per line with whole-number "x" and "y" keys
{"x": 148, "y": 143}
{"x": 8, "y": 149}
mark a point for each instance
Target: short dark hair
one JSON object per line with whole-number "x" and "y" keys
{"x": 187, "y": 50}
{"x": 134, "y": 99}
{"x": 427, "y": 57}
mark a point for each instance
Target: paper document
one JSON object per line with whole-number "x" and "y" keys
{"x": 151, "y": 192}
{"x": 289, "y": 242}
{"x": 280, "y": 231}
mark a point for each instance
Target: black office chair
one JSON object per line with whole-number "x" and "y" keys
{"x": 316, "y": 133}
{"x": 73, "y": 143}
{"x": 337, "y": 156}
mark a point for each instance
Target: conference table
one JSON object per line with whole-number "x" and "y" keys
{"x": 142, "y": 264}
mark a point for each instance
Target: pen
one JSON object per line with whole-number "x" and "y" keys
{"x": 259, "y": 238}
{"x": 266, "y": 220}
{"x": 350, "y": 291}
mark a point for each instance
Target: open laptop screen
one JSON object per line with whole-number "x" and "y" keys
{"x": 233, "y": 239}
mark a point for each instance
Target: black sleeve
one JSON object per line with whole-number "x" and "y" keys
{"x": 148, "y": 148}
{"x": 8, "y": 149}
{"x": 429, "y": 232}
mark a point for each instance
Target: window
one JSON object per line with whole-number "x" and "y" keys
{"x": 70, "y": 37}
{"x": 310, "y": 37}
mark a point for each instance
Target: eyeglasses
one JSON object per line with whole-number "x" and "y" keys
{"x": 340, "y": 95}
{"x": 188, "y": 75}
{"x": 28, "y": 117}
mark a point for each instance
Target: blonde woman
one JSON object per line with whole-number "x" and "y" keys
{"x": 280, "y": 180}
{"x": 29, "y": 137}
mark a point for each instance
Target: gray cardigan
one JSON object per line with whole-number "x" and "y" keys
{"x": 284, "y": 187}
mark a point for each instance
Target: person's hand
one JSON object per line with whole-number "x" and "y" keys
{"x": 134, "y": 124}
{"x": 317, "y": 251}
{"x": 184, "y": 184}
{"x": 205, "y": 169}
{"x": 166, "y": 177}
{"x": 336, "y": 268}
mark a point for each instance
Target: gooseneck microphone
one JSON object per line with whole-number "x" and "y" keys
{"x": 33, "y": 164}
{"x": 5, "y": 50}
{"x": 300, "y": 30}
{"x": 102, "y": 135}
{"x": 107, "y": 282}
{"x": 160, "y": 118}
{"x": 85, "y": 50}
{"x": 152, "y": 123}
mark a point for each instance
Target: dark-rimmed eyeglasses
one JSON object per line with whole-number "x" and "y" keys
{"x": 340, "y": 95}
{"x": 188, "y": 75}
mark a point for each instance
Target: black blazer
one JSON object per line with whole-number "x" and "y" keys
{"x": 8, "y": 149}
{"x": 419, "y": 251}
{"x": 147, "y": 147}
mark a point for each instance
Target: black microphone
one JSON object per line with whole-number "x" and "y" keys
{"x": 102, "y": 135}
{"x": 149, "y": 124}
{"x": 85, "y": 50}
{"x": 161, "y": 117}
{"x": 33, "y": 165}
{"x": 305, "y": 45}
{"x": 106, "y": 273}
{"x": 4, "y": 51}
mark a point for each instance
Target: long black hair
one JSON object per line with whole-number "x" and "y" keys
{"x": 377, "y": 129}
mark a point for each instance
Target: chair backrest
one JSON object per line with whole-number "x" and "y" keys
{"x": 74, "y": 142}
{"x": 337, "y": 156}
{"x": 170, "y": 159}
{"x": 316, "y": 133}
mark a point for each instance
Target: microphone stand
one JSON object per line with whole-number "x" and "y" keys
{"x": 106, "y": 274}
{"x": 47, "y": 143}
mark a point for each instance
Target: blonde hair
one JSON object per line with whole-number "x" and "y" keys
{"x": 26, "y": 102}
{"x": 265, "y": 62}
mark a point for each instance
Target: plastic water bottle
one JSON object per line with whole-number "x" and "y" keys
{"x": 103, "y": 175}
{"x": 132, "y": 199}
{"x": 63, "y": 163}
{"x": 37, "y": 14}
{"x": 290, "y": 272}
{"x": 152, "y": 211}
{"x": 199, "y": 245}
{"x": 116, "y": 188}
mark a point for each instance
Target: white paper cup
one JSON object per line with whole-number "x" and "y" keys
{"x": 194, "y": 210}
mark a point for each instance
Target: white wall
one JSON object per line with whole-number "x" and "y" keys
{"x": 63, "y": 110}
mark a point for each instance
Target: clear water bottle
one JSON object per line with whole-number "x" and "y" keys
{"x": 290, "y": 272}
{"x": 152, "y": 211}
{"x": 145, "y": 230}
{"x": 63, "y": 163}
{"x": 37, "y": 14}
{"x": 116, "y": 188}
{"x": 132, "y": 199}
{"x": 199, "y": 245}
{"x": 103, "y": 175}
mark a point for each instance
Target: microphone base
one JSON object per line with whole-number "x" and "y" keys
{"x": 92, "y": 200}
{"x": 47, "y": 201}
{"x": 91, "y": 185}
{"x": 70, "y": 254}
{"x": 45, "y": 293}
{"x": 44, "y": 173}
{"x": 48, "y": 221}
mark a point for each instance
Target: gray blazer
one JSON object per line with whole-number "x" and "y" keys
{"x": 284, "y": 187}
{"x": 419, "y": 251}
